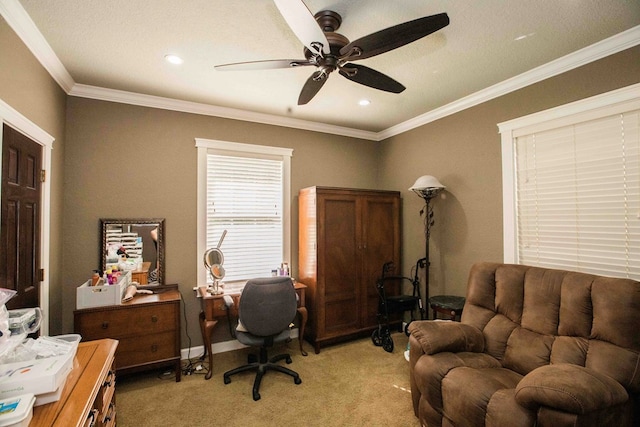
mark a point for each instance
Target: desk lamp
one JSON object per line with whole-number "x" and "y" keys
{"x": 427, "y": 187}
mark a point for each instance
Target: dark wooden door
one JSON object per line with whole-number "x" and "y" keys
{"x": 338, "y": 247}
{"x": 381, "y": 244}
{"x": 20, "y": 218}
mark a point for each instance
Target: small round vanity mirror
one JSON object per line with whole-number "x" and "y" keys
{"x": 213, "y": 260}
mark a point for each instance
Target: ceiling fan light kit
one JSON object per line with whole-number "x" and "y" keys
{"x": 329, "y": 51}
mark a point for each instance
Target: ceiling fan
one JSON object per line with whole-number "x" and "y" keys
{"x": 329, "y": 51}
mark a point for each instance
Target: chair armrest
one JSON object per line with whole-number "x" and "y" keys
{"x": 569, "y": 388}
{"x": 436, "y": 336}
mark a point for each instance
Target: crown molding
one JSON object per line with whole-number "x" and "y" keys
{"x": 599, "y": 50}
{"x": 124, "y": 97}
{"x": 26, "y": 29}
{"x": 21, "y": 23}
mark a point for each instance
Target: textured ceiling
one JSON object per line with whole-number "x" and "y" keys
{"x": 120, "y": 44}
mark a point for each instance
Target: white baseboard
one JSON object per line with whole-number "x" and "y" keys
{"x": 220, "y": 347}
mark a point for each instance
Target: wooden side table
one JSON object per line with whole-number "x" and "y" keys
{"x": 447, "y": 305}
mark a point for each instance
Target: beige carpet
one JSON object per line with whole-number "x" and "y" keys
{"x": 350, "y": 384}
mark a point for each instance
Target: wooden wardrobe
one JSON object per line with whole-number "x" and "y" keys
{"x": 345, "y": 238}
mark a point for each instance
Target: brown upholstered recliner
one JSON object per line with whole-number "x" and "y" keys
{"x": 535, "y": 346}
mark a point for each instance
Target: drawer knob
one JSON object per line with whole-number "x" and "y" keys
{"x": 154, "y": 318}
{"x": 105, "y": 325}
{"x": 154, "y": 348}
{"x": 109, "y": 379}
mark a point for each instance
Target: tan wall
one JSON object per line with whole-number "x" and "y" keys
{"x": 463, "y": 151}
{"x": 125, "y": 161}
{"x": 27, "y": 87}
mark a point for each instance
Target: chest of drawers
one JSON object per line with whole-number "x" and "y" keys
{"x": 147, "y": 328}
{"x": 88, "y": 396}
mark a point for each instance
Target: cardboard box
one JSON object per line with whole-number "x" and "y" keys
{"x": 39, "y": 376}
{"x": 88, "y": 296}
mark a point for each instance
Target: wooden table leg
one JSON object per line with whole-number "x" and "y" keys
{"x": 206, "y": 327}
{"x": 303, "y": 315}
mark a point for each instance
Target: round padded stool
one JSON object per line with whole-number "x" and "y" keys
{"x": 447, "y": 305}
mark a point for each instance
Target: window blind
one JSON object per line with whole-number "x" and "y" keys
{"x": 245, "y": 198}
{"x": 578, "y": 196}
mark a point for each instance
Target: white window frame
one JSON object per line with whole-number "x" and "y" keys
{"x": 614, "y": 102}
{"x": 225, "y": 147}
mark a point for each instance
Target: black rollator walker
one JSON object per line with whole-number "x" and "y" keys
{"x": 396, "y": 304}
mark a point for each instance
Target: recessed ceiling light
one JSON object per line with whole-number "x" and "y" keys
{"x": 174, "y": 59}
{"x": 364, "y": 102}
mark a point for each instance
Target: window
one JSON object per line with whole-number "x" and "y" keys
{"x": 572, "y": 186}
{"x": 244, "y": 190}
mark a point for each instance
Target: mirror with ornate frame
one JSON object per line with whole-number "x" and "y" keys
{"x": 139, "y": 244}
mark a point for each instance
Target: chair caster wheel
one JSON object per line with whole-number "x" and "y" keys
{"x": 297, "y": 380}
{"x": 288, "y": 360}
{"x": 256, "y": 396}
{"x": 227, "y": 379}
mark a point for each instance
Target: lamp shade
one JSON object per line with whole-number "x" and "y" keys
{"x": 426, "y": 181}
{"x": 427, "y": 186}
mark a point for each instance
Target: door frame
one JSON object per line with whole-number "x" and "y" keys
{"x": 13, "y": 118}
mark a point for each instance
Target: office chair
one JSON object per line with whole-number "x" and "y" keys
{"x": 266, "y": 309}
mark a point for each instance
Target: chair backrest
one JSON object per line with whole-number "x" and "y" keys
{"x": 268, "y": 305}
{"x": 533, "y": 316}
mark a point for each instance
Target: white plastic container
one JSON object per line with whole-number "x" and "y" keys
{"x": 73, "y": 339}
{"x": 17, "y": 411}
{"x": 53, "y": 396}
{"x": 38, "y": 376}
{"x": 24, "y": 320}
{"x": 88, "y": 296}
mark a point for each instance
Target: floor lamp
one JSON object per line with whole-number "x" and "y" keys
{"x": 427, "y": 187}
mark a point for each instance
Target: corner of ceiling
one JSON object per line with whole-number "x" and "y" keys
{"x": 25, "y": 28}
{"x": 22, "y": 24}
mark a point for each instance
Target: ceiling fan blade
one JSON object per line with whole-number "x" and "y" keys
{"x": 304, "y": 25}
{"x": 370, "y": 77}
{"x": 394, "y": 37}
{"x": 263, "y": 65}
{"x": 312, "y": 86}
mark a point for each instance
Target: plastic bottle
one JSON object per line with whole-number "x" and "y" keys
{"x": 95, "y": 278}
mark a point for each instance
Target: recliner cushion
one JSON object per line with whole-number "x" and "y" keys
{"x": 466, "y": 392}
{"x": 430, "y": 370}
{"x": 569, "y": 388}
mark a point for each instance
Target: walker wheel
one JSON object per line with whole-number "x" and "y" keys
{"x": 375, "y": 337}
{"x": 387, "y": 344}
{"x": 406, "y": 329}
